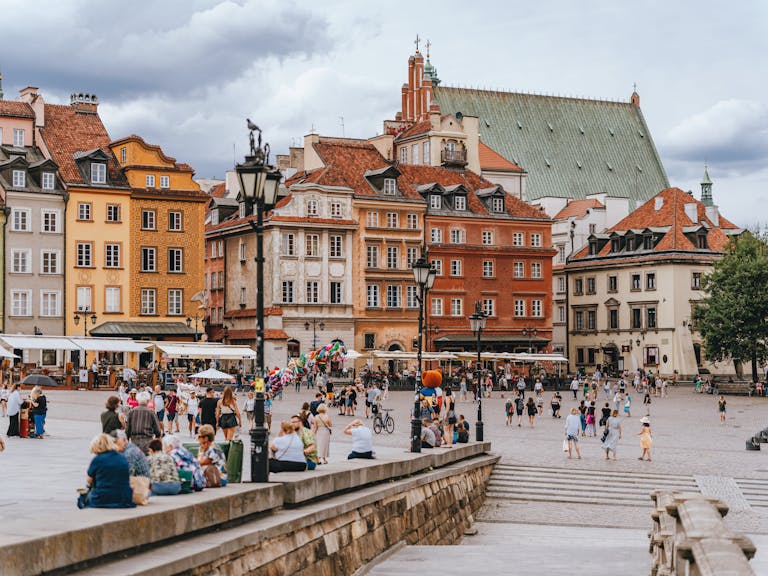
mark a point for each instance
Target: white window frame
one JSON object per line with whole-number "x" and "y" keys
{"x": 394, "y": 296}
{"x": 53, "y": 256}
{"x": 53, "y": 216}
{"x": 123, "y": 155}
{"x": 460, "y": 203}
{"x": 287, "y": 292}
{"x": 372, "y": 256}
{"x": 393, "y": 257}
{"x": 404, "y": 154}
{"x": 113, "y": 213}
{"x": 489, "y": 307}
{"x": 372, "y": 219}
{"x": 85, "y": 211}
{"x": 435, "y": 202}
{"x": 21, "y": 220}
{"x": 437, "y": 306}
{"x": 288, "y": 244}
{"x": 149, "y": 180}
{"x": 111, "y": 303}
{"x": 21, "y": 261}
{"x": 412, "y": 221}
{"x": 336, "y": 292}
{"x": 536, "y": 240}
{"x": 148, "y": 302}
{"x": 458, "y": 236}
{"x": 165, "y": 182}
{"x": 372, "y": 296}
{"x": 519, "y": 308}
{"x": 536, "y": 270}
{"x": 425, "y": 156}
{"x": 313, "y": 208}
{"x": 390, "y": 187}
{"x": 175, "y": 221}
{"x": 336, "y": 210}
{"x": 436, "y": 235}
{"x": 84, "y": 298}
{"x": 175, "y": 260}
{"x": 18, "y": 137}
{"x": 112, "y": 256}
{"x": 85, "y": 256}
{"x": 393, "y": 220}
{"x": 149, "y": 220}
{"x": 149, "y": 259}
{"x": 497, "y": 205}
{"x": 312, "y": 245}
{"x": 313, "y": 292}
{"x": 411, "y": 297}
{"x": 489, "y": 269}
{"x": 19, "y": 179}
{"x": 457, "y": 267}
{"x": 518, "y": 270}
{"x": 518, "y": 239}
{"x": 412, "y": 255}
{"x": 45, "y": 303}
{"x": 21, "y": 303}
{"x": 48, "y": 181}
{"x": 414, "y": 153}
{"x": 457, "y": 307}
{"x": 336, "y": 246}
{"x": 437, "y": 264}
{"x": 98, "y": 173}
{"x": 537, "y": 308}
{"x": 175, "y": 302}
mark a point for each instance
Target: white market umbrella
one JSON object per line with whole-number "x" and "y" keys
{"x": 213, "y": 374}
{"x": 352, "y": 354}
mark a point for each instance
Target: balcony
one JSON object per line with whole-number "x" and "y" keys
{"x": 453, "y": 157}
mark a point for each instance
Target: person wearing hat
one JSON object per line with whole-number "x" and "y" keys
{"x": 646, "y": 441}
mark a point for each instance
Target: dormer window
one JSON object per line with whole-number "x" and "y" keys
{"x": 497, "y": 204}
{"x": 460, "y": 203}
{"x": 311, "y": 207}
{"x": 702, "y": 241}
{"x": 18, "y": 137}
{"x": 242, "y": 210}
{"x": 19, "y": 179}
{"x": 123, "y": 155}
{"x": 98, "y": 173}
{"x": 630, "y": 242}
{"x": 48, "y": 181}
{"x": 390, "y": 186}
{"x": 435, "y": 202}
{"x": 592, "y": 247}
{"x": 648, "y": 241}
{"x": 165, "y": 181}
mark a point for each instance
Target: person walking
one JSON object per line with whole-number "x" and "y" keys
{"x": 519, "y": 407}
{"x": 207, "y": 409}
{"x": 555, "y": 404}
{"x": 321, "y": 428}
{"x": 612, "y": 434}
{"x": 628, "y": 405}
{"x": 591, "y": 431}
{"x": 575, "y": 387}
{"x": 450, "y": 417}
{"x": 228, "y": 414}
{"x": 531, "y": 409}
{"x": 646, "y": 440}
{"x": 605, "y": 414}
{"x": 572, "y": 428}
{"x": 721, "y": 409}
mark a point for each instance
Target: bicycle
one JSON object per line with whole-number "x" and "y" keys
{"x": 385, "y": 422}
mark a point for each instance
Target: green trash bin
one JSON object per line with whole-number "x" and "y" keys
{"x": 235, "y": 461}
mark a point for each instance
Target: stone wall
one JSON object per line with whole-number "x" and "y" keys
{"x": 432, "y": 508}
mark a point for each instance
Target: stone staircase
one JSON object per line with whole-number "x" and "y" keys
{"x": 513, "y": 482}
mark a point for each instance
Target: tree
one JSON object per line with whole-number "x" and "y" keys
{"x": 732, "y": 316}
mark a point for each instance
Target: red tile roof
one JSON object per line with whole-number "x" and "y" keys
{"x": 415, "y": 129}
{"x": 218, "y": 191}
{"x": 670, "y": 214}
{"x": 16, "y": 109}
{"x": 578, "y": 208}
{"x": 68, "y": 131}
{"x": 492, "y": 160}
{"x": 346, "y": 162}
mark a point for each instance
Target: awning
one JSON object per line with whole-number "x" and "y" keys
{"x": 204, "y": 351}
{"x": 38, "y": 342}
{"x": 111, "y": 344}
{"x": 491, "y": 338}
{"x": 142, "y": 329}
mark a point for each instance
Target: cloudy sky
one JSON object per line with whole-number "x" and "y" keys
{"x": 186, "y": 73}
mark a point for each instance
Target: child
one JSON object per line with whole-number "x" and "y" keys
{"x": 647, "y": 402}
{"x": 628, "y": 405}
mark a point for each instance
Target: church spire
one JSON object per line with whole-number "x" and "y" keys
{"x": 706, "y": 188}
{"x": 1, "y": 85}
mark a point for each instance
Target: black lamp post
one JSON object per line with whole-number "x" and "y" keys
{"x": 189, "y": 325}
{"x": 259, "y": 184}
{"x": 531, "y": 333}
{"x": 424, "y": 276}
{"x": 84, "y": 314}
{"x": 315, "y": 324}
{"x": 477, "y": 324}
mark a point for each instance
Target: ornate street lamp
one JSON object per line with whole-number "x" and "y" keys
{"x": 531, "y": 333}
{"x": 84, "y": 314}
{"x": 424, "y": 276}
{"x": 189, "y": 325}
{"x": 315, "y": 325}
{"x": 259, "y": 184}
{"x": 477, "y": 324}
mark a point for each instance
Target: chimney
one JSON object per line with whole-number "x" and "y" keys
{"x": 84, "y": 103}
{"x": 713, "y": 214}
{"x": 31, "y": 96}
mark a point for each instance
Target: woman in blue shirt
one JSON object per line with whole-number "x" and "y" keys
{"x": 107, "y": 481}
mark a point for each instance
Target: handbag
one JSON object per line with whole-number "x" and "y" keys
{"x": 565, "y": 445}
{"x": 212, "y": 476}
{"x": 604, "y": 436}
{"x": 228, "y": 420}
{"x": 140, "y": 488}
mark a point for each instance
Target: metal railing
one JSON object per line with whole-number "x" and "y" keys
{"x": 456, "y": 157}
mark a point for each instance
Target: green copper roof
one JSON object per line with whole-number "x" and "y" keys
{"x": 706, "y": 179}
{"x": 570, "y": 147}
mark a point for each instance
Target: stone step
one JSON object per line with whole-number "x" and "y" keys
{"x": 571, "y": 488}
{"x": 533, "y": 494}
{"x": 515, "y": 477}
{"x": 589, "y": 472}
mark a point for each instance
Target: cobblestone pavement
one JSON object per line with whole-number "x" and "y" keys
{"x": 40, "y": 476}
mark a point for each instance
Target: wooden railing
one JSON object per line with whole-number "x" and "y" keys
{"x": 689, "y": 538}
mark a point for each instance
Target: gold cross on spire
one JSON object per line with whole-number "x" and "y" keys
{"x": 417, "y": 42}
{"x": 428, "y": 44}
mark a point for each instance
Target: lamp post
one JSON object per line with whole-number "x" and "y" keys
{"x": 189, "y": 325}
{"x": 477, "y": 324}
{"x": 315, "y": 324}
{"x": 84, "y": 314}
{"x": 259, "y": 184}
{"x": 530, "y": 333}
{"x": 424, "y": 276}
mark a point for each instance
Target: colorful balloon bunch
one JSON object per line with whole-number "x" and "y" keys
{"x": 311, "y": 362}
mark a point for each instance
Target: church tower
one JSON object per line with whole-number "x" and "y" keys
{"x": 706, "y": 189}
